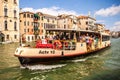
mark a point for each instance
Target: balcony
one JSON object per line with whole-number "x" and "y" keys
{"x": 6, "y": 16}
{"x": 15, "y": 30}
{"x": 15, "y": 17}
{"x": 5, "y": 1}
{"x": 6, "y": 29}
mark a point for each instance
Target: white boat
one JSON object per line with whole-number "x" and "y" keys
{"x": 74, "y": 45}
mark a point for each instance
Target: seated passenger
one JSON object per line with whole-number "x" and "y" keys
{"x": 44, "y": 41}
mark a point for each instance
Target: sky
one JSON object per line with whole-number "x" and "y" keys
{"x": 106, "y": 12}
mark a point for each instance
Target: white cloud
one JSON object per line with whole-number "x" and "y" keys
{"x": 52, "y": 10}
{"x": 28, "y": 9}
{"x": 111, "y": 11}
{"x": 116, "y": 26}
{"x": 100, "y": 21}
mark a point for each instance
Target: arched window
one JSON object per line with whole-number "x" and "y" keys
{"x": 15, "y": 2}
{"x": 5, "y": 12}
{"x": 15, "y": 12}
{"x": 24, "y": 23}
{"x": 24, "y": 15}
{"x": 6, "y": 0}
{"x": 28, "y": 38}
{"x": 15, "y": 26}
{"x": 28, "y": 15}
{"x": 5, "y": 24}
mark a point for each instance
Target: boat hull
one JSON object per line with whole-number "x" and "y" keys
{"x": 50, "y": 60}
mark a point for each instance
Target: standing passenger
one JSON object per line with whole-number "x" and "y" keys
{"x": 87, "y": 41}
{"x": 44, "y": 41}
{"x": 90, "y": 42}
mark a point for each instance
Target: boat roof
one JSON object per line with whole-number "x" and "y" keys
{"x": 77, "y": 30}
{"x": 106, "y": 34}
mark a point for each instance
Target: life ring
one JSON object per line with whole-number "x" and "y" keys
{"x": 57, "y": 44}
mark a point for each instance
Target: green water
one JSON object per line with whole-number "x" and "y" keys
{"x": 104, "y": 65}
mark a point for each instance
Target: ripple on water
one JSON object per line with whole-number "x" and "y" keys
{"x": 42, "y": 67}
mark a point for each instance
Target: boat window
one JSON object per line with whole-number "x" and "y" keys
{"x": 105, "y": 38}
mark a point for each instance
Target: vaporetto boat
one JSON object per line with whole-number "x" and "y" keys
{"x": 63, "y": 45}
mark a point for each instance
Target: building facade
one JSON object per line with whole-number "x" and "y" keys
{"x": 86, "y": 23}
{"x": 9, "y": 20}
{"x": 100, "y": 27}
{"x": 65, "y": 21}
{"x": 28, "y": 23}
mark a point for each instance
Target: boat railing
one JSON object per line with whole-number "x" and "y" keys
{"x": 68, "y": 45}
{"x": 58, "y": 44}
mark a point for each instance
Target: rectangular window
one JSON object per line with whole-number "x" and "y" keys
{"x": 53, "y": 21}
{"x": 24, "y": 23}
{"x": 42, "y": 24}
{"x": 64, "y": 26}
{"x": 24, "y": 15}
{"x": 28, "y": 38}
{"x": 28, "y": 15}
{"x": 32, "y": 30}
{"x": 7, "y": 37}
{"x": 6, "y": 0}
{"x": 42, "y": 18}
{"x": 32, "y": 38}
{"x": 42, "y": 30}
{"x": 31, "y": 23}
{"x": 28, "y": 30}
{"x": 15, "y": 12}
{"x": 48, "y": 20}
{"x": 86, "y": 23}
{"x": 15, "y": 2}
{"x": 6, "y": 25}
{"x": 15, "y": 26}
{"x": 25, "y": 30}
{"x": 5, "y": 12}
{"x": 38, "y": 24}
{"x": 28, "y": 23}
{"x": 31, "y": 16}
{"x": 15, "y": 36}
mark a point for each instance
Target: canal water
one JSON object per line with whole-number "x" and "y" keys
{"x": 103, "y": 65}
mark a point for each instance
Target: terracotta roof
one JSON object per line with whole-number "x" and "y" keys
{"x": 48, "y": 15}
{"x": 99, "y": 24}
{"x": 26, "y": 12}
{"x": 63, "y": 16}
{"x": 85, "y": 17}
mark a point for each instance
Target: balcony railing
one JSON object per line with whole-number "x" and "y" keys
{"x": 15, "y": 17}
{"x": 6, "y": 16}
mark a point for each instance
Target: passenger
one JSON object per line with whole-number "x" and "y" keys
{"x": 96, "y": 42}
{"x": 87, "y": 41}
{"x": 83, "y": 38}
{"x": 90, "y": 42}
{"x": 57, "y": 44}
{"x": 70, "y": 45}
{"x": 50, "y": 39}
{"x": 44, "y": 41}
{"x": 38, "y": 43}
{"x": 80, "y": 38}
